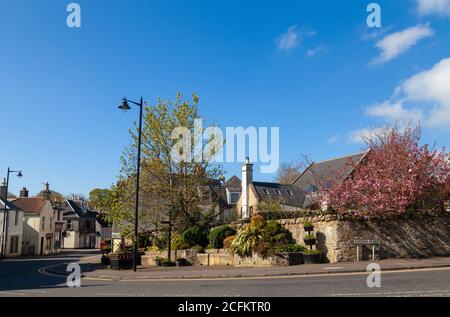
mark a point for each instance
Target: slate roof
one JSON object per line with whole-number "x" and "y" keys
{"x": 77, "y": 209}
{"x": 32, "y": 205}
{"x": 319, "y": 174}
{"x": 9, "y": 205}
{"x": 286, "y": 194}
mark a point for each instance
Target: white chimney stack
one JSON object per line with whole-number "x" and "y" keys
{"x": 247, "y": 179}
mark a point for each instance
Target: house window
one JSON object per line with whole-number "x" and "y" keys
{"x": 51, "y": 223}
{"x": 69, "y": 224}
{"x": 278, "y": 192}
{"x": 234, "y": 197}
{"x": 290, "y": 193}
{"x": 43, "y": 223}
{"x": 48, "y": 243}
{"x": 16, "y": 218}
{"x": 311, "y": 189}
{"x": 88, "y": 224}
{"x": 266, "y": 191}
{"x": 14, "y": 244}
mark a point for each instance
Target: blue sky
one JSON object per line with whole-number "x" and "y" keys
{"x": 312, "y": 68}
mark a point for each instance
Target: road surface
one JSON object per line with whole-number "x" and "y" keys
{"x": 24, "y": 277}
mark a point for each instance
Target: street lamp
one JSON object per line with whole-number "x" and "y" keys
{"x": 5, "y": 211}
{"x": 124, "y": 106}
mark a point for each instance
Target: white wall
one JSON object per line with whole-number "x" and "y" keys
{"x": 13, "y": 230}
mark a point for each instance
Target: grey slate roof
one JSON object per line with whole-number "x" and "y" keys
{"x": 286, "y": 194}
{"x": 75, "y": 209}
{"x": 9, "y": 205}
{"x": 321, "y": 173}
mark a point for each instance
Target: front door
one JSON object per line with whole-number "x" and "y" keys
{"x": 42, "y": 246}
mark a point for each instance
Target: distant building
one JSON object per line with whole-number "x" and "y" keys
{"x": 80, "y": 222}
{"x": 303, "y": 193}
{"x": 11, "y": 229}
{"x": 38, "y": 225}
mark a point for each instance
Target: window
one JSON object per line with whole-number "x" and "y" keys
{"x": 69, "y": 224}
{"x": 16, "y": 218}
{"x": 290, "y": 193}
{"x": 43, "y": 223}
{"x": 14, "y": 244}
{"x": 311, "y": 189}
{"x": 88, "y": 224}
{"x": 51, "y": 223}
{"x": 48, "y": 243}
{"x": 266, "y": 191}
{"x": 278, "y": 192}
{"x": 234, "y": 197}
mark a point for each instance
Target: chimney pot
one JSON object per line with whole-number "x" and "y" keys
{"x": 24, "y": 193}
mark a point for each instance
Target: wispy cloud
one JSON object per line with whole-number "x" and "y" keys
{"x": 317, "y": 50}
{"x": 437, "y": 7}
{"x": 292, "y": 38}
{"x": 289, "y": 40}
{"x": 395, "y": 44}
{"x": 333, "y": 139}
{"x": 424, "y": 97}
{"x": 360, "y": 135}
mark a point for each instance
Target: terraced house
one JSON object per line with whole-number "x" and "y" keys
{"x": 80, "y": 224}
{"x": 38, "y": 225}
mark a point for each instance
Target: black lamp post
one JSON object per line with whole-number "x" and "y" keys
{"x": 125, "y": 107}
{"x": 5, "y": 209}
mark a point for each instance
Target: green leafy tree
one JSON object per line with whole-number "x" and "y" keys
{"x": 167, "y": 187}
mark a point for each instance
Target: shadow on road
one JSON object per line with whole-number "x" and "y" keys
{"x": 24, "y": 273}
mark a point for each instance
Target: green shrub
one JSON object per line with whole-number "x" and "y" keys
{"x": 195, "y": 236}
{"x": 262, "y": 237}
{"x": 228, "y": 241}
{"x": 246, "y": 239}
{"x": 217, "y": 236}
{"x": 309, "y": 236}
{"x": 294, "y": 247}
{"x": 177, "y": 241}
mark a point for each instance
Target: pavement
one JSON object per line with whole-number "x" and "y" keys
{"x": 92, "y": 269}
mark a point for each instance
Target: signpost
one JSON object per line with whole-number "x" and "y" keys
{"x": 361, "y": 242}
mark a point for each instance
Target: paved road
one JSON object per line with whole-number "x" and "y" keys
{"x": 22, "y": 278}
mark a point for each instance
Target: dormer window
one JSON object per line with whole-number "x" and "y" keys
{"x": 278, "y": 192}
{"x": 290, "y": 193}
{"x": 266, "y": 191}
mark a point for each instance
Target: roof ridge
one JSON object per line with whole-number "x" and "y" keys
{"x": 341, "y": 157}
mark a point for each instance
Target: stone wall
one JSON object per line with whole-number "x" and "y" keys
{"x": 401, "y": 237}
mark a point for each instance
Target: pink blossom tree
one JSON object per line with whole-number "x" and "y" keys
{"x": 397, "y": 176}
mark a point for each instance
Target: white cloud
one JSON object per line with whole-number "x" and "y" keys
{"x": 438, "y": 7}
{"x": 394, "y": 111}
{"x": 292, "y": 38}
{"x": 358, "y": 136}
{"x": 394, "y": 44}
{"x": 333, "y": 139}
{"x": 289, "y": 40}
{"x": 317, "y": 50}
{"x": 423, "y": 97}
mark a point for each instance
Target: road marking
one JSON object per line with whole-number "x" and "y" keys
{"x": 272, "y": 277}
{"x": 393, "y": 293}
{"x": 333, "y": 268}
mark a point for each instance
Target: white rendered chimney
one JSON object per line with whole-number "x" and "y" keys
{"x": 247, "y": 179}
